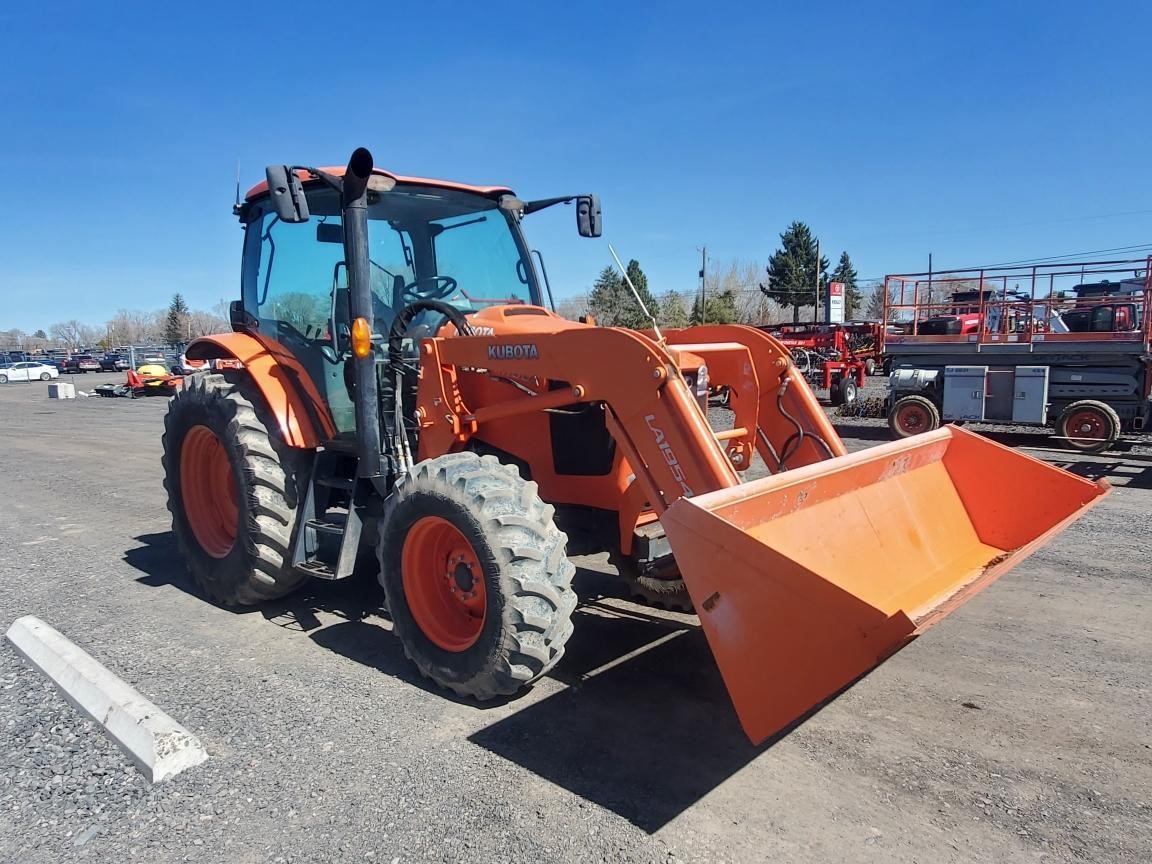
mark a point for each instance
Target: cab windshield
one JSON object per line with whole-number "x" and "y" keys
{"x": 424, "y": 243}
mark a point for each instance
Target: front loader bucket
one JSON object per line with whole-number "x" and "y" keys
{"x": 806, "y": 580}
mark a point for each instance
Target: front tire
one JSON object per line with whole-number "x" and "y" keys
{"x": 475, "y": 575}
{"x": 232, "y": 491}
{"x": 44, "y": 376}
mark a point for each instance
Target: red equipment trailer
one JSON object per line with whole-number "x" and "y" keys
{"x": 834, "y": 357}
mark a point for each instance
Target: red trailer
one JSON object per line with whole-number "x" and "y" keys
{"x": 834, "y": 357}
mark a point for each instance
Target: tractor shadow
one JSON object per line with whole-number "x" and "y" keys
{"x": 352, "y": 599}
{"x": 643, "y": 726}
{"x": 362, "y": 633}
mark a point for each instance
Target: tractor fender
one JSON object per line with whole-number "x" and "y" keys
{"x": 287, "y": 389}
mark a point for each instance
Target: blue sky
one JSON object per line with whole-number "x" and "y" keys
{"x": 981, "y": 132}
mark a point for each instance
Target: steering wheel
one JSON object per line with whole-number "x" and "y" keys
{"x": 439, "y": 287}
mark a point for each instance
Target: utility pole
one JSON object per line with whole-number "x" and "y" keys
{"x": 703, "y": 290}
{"x": 819, "y": 297}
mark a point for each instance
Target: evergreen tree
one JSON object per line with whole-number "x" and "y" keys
{"x": 721, "y": 308}
{"x": 632, "y": 315}
{"x": 606, "y": 300}
{"x": 611, "y": 301}
{"x": 853, "y": 298}
{"x": 794, "y": 275}
{"x": 175, "y": 326}
{"x": 39, "y": 334}
{"x": 672, "y": 311}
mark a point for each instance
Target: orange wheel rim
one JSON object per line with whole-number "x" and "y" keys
{"x": 443, "y": 583}
{"x": 209, "y": 491}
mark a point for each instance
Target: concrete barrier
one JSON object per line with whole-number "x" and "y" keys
{"x": 158, "y": 745}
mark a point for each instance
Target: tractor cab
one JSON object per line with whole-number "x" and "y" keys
{"x": 427, "y": 240}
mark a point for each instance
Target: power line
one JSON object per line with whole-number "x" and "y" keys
{"x": 1143, "y": 247}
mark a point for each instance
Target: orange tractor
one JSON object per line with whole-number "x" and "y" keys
{"x": 395, "y": 383}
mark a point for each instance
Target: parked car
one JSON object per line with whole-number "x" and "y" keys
{"x": 27, "y": 372}
{"x": 114, "y": 363}
{"x": 82, "y": 363}
{"x": 178, "y": 365}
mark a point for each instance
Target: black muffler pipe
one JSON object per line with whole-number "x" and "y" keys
{"x": 354, "y": 213}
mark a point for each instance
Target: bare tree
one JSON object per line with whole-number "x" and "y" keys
{"x": 204, "y": 323}
{"x": 573, "y": 307}
{"x": 13, "y": 339}
{"x": 68, "y": 333}
{"x": 674, "y": 310}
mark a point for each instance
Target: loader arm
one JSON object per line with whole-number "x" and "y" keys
{"x": 651, "y": 412}
{"x": 804, "y": 580}
{"x": 793, "y": 429}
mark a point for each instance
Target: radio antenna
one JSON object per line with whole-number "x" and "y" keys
{"x": 236, "y": 207}
{"x": 636, "y": 294}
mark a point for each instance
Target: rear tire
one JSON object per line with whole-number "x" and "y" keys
{"x": 475, "y": 576}
{"x": 3, "y": 379}
{"x": 1095, "y": 424}
{"x": 670, "y": 594}
{"x": 233, "y": 490}
{"x": 869, "y": 366}
{"x": 912, "y": 415}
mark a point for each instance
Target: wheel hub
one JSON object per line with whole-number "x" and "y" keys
{"x": 912, "y": 419}
{"x": 462, "y": 576}
{"x": 1087, "y": 425}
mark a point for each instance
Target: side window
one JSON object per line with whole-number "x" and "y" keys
{"x": 389, "y": 269}
{"x": 1102, "y": 319}
{"x": 294, "y": 278}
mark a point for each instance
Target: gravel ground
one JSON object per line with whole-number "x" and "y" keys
{"x": 1017, "y": 730}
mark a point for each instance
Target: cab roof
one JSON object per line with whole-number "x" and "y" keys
{"x": 487, "y": 191}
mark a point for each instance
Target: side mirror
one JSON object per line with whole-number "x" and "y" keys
{"x": 588, "y": 215}
{"x": 240, "y": 320}
{"x": 287, "y": 193}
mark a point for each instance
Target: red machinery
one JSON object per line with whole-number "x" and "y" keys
{"x": 1064, "y": 345}
{"x": 834, "y": 357}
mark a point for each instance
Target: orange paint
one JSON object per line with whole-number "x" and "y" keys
{"x": 807, "y": 580}
{"x": 287, "y": 389}
{"x": 338, "y": 171}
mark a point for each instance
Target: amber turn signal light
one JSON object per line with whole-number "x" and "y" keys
{"x": 361, "y": 338}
